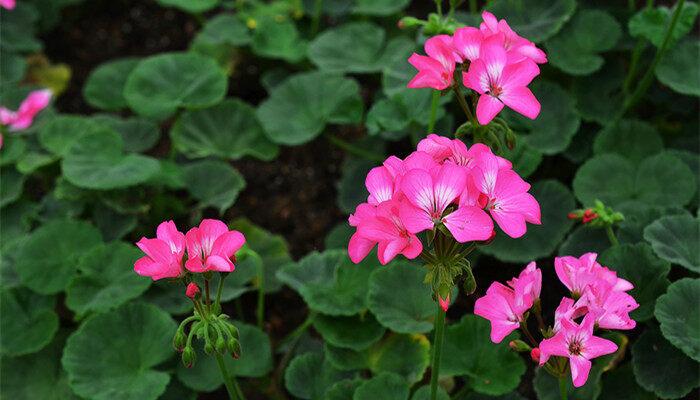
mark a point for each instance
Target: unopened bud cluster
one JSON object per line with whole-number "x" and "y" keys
{"x": 218, "y": 333}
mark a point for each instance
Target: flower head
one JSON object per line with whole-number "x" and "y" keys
{"x": 30, "y": 107}
{"x": 163, "y": 254}
{"x": 578, "y": 274}
{"x": 7, "y": 4}
{"x": 437, "y": 68}
{"x": 517, "y": 47}
{"x": 500, "y": 308}
{"x": 211, "y": 247}
{"x": 527, "y": 285}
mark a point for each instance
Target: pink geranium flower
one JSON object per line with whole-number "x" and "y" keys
{"x": 577, "y": 274}
{"x": 527, "y": 285}
{"x": 211, "y": 246}
{"x": 500, "y": 308}
{"x": 455, "y": 151}
{"x": 610, "y": 307}
{"x": 500, "y": 83}
{"x": 506, "y": 196}
{"x": 467, "y": 42}
{"x": 8, "y": 4}
{"x": 577, "y": 343}
{"x": 30, "y": 107}
{"x": 437, "y": 68}
{"x": 163, "y": 255}
{"x": 359, "y": 246}
{"x": 517, "y": 47}
{"x": 380, "y": 185}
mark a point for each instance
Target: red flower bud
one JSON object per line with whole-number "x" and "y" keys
{"x": 588, "y": 217}
{"x": 192, "y": 290}
{"x": 535, "y": 354}
{"x": 572, "y": 215}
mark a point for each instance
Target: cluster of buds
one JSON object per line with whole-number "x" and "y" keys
{"x": 598, "y": 216}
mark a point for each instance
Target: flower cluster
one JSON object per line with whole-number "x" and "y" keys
{"x": 443, "y": 183}
{"x": 210, "y": 247}
{"x": 599, "y": 299}
{"x": 24, "y": 116}
{"x": 500, "y": 66}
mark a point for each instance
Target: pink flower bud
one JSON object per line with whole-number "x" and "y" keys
{"x": 192, "y": 290}
{"x": 444, "y": 303}
{"x": 535, "y": 354}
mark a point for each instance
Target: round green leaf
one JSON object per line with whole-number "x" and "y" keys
{"x": 176, "y": 391}
{"x": 207, "y": 132}
{"x": 160, "y": 84}
{"x": 139, "y": 134}
{"x": 224, "y": 29}
{"x": 404, "y": 355}
{"x": 299, "y": 108}
{"x": 632, "y": 139}
{"x": 56, "y": 246}
{"x": 329, "y": 282}
{"x": 584, "y": 239}
{"x": 191, "y": 6}
{"x": 62, "y": 131}
{"x": 353, "y": 47}
{"x": 255, "y": 361}
{"x": 673, "y": 70}
{"x": 676, "y": 239}
{"x": 343, "y": 390}
{"x": 213, "y": 183}
{"x": 678, "y": 315}
{"x": 391, "y": 118}
{"x": 11, "y": 184}
{"x": 620, "y": 384}
{"x": 104, "y": 87}
{"x": 540, "y": 240}
{"x": 309, "y": 376}
{"x": 537, "y": 20}
{"x": 169, "y": 297}
{"x": 27, "y": 320}
{"x": 638, "y": 216}
{"x": 17, "y": 29}
{"x": 339, "y": 236}
{"x": 598, "y": 96}
{"x": 525, "y": 159}
{"x": 494, "y": 369}
{"x": 653, "y": 23}
{"x": 12, "y": 68}
{"x": 105, "y": 279}
{"x": 423, "y": 393}
{"x": 351, "y": 185}
{"x": 575, "y": 50}
{"x": 479, "y": 396}
{"x": 385, "y": 386}
{"x": 100, "y": 367}
{"x": 356, "y": 332}
{"x": 346, "y": 359}
{"x": 547, "y": 387}
{"x": 649, "y": 274}
{"x": 275, "y": 38}
{"x": 379, "y": 7}
{"x": 662, "y": 368}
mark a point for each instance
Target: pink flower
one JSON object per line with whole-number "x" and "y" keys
{"x": 499, "y": 82}
{"x": 577, "y": 343}
{"x": 435, "y": 70}
{"x": 567, "y": 310}
{"x": 430, "y": 193}
{"x": 30, "y": 107}
{"x": 517, "y": 48}
{"x": 211, "y": 246}
{"x": 387, "y": 230}
{"x": 359, "y": 246}
{"x": 577, "y": 274}
{"x": 500, "y": 308}
{"x": 192, "y": 290}
{"x": 527, "y": 285}
{"x": 8, "y": 4}
{"x": 467, "y": 42}
{"x": 506, "y": 196}
{"x": 380, "y": 185}
{"x": 455, "y": 151}
{"x": 610, "y": 307}
{"x": 163, "y": 255}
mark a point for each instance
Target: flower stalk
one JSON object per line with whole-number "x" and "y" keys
{"x": 439, "y": 332}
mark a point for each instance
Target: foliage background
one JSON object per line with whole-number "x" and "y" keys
{"x": 267, "y": 116}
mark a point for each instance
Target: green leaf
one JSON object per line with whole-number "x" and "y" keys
{"x": 207, "y": 132}
{"x": 537, "y": 20}
{"x": 494, "y": 369}
{"x": 662, "y": 368}
{"x": 13, "y": 148}
{"x": 638, "y": 216}
{"x": 160, "y": 84}
{"x": 343, "y": 390}
{"x": 661, "y": 180}
{"x": 190, "y": 6}
{"x": 111, "y": 223}
{"x": 479, "y": 396}
{"x": 99, "y": 367}
{"x": 399, "y": 298}
{"x": 299, "y": 108}
{"x": 139, "y": 134}
{"x": 351, "y": 185}
{"x": 309, "y": 376}
{"x": 356, "y": 332}
{"x": 12, "y": 68}
{"x": 339, "y": 236}
{"x": 169, "y": 297}
{"x": 653, "y": 23}
{"x": 404, "y": 355}
{"x": 225, "y": 29}
{"x": 391, "y": 117}
{"x": 423, "y": 393}
{"x": 525, "y": 159}
{"x": 62, "y": 131}
{"x": 599, "y": 95}
{"x": 36, "y": 376}
{"x": 11, "y": 184}
{"x": 677, "y": 313}
{"x": 18, "y": 29}
{"x": 676, "y": 239}
{"x": 649, "y": 274}
{"x": 97, "y": 161}
{"x": 380, "y": 8}
{"x": 27, "y": 320}
{"x": 385, "y": 386}
{"x": 575, "y": 50}
{"x": 255, "y": 361}
{"x": 620, "y": 384}
{"x": 213, "y": 183}
{"x": 547, "y": 387}
{"x": 584, "y": 239}
{"x": 346, "y": 359}
{"x": 104, "y": 87}
{"x": 33, "y": 160}
{"x": 176, "y": 391}
{"x": 632, "y": 139}
{"x": 274, "y": 38}
{"x": 552, "y": 131}
{"x": 540, "y": 240}
{"x": 673, "y": 70}
{"x": 105, "y": 279}
{"x": 55, "y": 246}
{"x": 329, "y": 282}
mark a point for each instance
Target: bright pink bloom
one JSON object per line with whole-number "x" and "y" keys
{"x": 30, "y": 107}
{"x": 567, "y": 310}
{"x": 455, "y": 151}
{"x": 163, "y": 255}
{"x": 359, "y": 246}
{"x": 610, "y": 307}
{"x": 506, "y": 195}
{"x": 517, "y": 47}
{"x": 437, "y": 68}
{"x": 387, "y": 230}
{"x": 444, "y": 303}
{"x": 577, "y": 343}
{"x": 192, "y": 290}
{"x": 8, "y": 4}
{"x": 380, "y": 185}
{"x": 577, "y": 274}
{"x": 467, "y": 42}
{"x": 527, "y": 285}
{"x": 211, "y": 246}
{"x": 499, "y": 82}
{"x": 500, "y": 308}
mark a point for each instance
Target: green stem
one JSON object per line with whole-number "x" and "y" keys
{"x": 648, "y": 77}
{"x": 636, "y": 55}
{"x": 438, "y": 5}
{"x": 437, "y": 351}
{"x": 352, "y": 149}
{"x": 206, "y": 290}
{"x": 315, "y": 21}
{"x": 533, "y": 342}
{"x": 473, "y": 7}
{"x": 261, "y": 296}
{"x": 234, "y": 392}
{"x": 220, "y": 289}
{"x": 433, "y": 110}
{"x": 611, "y": 235}
{"x": 562, "y": 388}
{"x": 463, "y": 103}
{"x": 632, "y": 5}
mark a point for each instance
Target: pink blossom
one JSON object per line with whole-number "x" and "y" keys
{"x": 444, "y": 303}
{"x": 30, "y": 107}
{"x": 467, "y": 42}
{"x": 517, "y": 47}
{"x": 506, "y": 196}
{"x": 500, "y": 308}
{"x": 500, "y": 83}
{"x": 211, "y": 246}
{"x": 610, "y": 307}
{"x": 8, "y": 4}
{"x": 359, "y": 246}
{"x": 192, "y": 290}
{"x": 437, "y": 68}
{"x": 387, "y": 230}
{"x": 380, "y": 185}
{"x": 163, "y": 255}
{"x": 455, "y": 151}
{"x": 577, "y": 343}
{"x": 567, "y": 310}
{"x": 527, "y": 285}
{"x": 577, "y": 274}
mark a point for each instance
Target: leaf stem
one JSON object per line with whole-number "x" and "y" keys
{"x": 220, "y": 289}
{"x": 433, "y": 110}
{"x": 261, "y": 296}
{"x": 523, "y": 326}
{"x": 234, "y": 392}
{"x": 611, "y": 235}
{"x": 352, "y": 149}
{"x": 463, "y": 103}
{"x": 562, "y": 388}
{"x": 316, "y": 18}
{"x": 473, "y": 8}
{"x": 437, "y": 351}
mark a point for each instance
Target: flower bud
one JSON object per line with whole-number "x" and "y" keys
{"x": 409, "y": 22}
{"x": 234, "y": 347}
{"x": 469, "y": 282}
{"x": 208, "y": 348}
{"x": 444, "y": 303}
{"x": 519, "y": 346}
{"x": 220, "y": 345}
{"x": 188, "y": 357}
{"x": 192, "y": 290}
{"x": 179, "y": 340}
{"x": 535, "y": 354}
